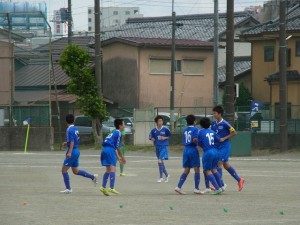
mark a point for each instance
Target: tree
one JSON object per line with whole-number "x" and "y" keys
{"x": 75, "y": 62}
{"x": 244, "y": 97}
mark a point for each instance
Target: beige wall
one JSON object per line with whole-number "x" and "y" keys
{"x": 190, "y": 91}
{"x": 5, "y": 78}
{"x": 260, "y": 70}
{"x": 293, "y": 94}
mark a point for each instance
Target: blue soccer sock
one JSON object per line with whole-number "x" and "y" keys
{"x": 164, "y": 170}
{"x": 160, "y": 168}
{"x": 112, "y": 176}
{"x": 66, "y": 180}
{"x": 221, "y": 174}
{"x": 213, "y": 181}
{"x": 197, "y": 180}
{"x": 233, "y": 173}
{"x": 85, "y": 174}
{"x": 218, "y": 179}
{"x": 206, "y": 180}
{"x": 105, "y": 178}
{"x": 182, "y": 180}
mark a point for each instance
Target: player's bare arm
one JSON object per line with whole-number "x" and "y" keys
{"x": 69, "y": 154}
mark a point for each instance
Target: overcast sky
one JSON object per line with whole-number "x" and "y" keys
{"x": 147, "y": 8}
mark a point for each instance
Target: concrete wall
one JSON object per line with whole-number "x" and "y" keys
{"x": 271, "y": 141}
{"x": 120, "y": 78}
{"x": 13, "y": 138}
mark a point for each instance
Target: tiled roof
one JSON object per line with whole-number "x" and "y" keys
{"x": 37, "y": 74}
{"x": 242, "y": 65}
{"x": 193, "y": 27}
{"x": 292, "y": 24}
{"x": 159, "y": 42}
{"x": 60, "y": 44}
{"x": 290, "y": 74}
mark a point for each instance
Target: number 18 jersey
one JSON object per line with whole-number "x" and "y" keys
{"x": 189, "y": 134}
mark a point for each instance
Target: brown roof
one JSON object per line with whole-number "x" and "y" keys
{"x": 159, "y": 42}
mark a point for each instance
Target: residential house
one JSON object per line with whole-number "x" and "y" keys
{"x": 137, "y": 72}
{"x": 264, "y": 40}
{"x": 242, "y": 73}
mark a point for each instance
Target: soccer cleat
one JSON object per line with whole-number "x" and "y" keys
{"x": 95, "y": 180}
{"x": 207, "y": 190}
{"x": 114, "y": 191}
{"x": 224, "y": 187}
{"x": 67, "y": 191}
{"x": 167, "y": 178}
{"x": 217, "y": 192}
{"x": 104, "y": 191}
{"x": 179, "y": 191}
{"x": 198, "y": 192}
{"x": 160, "y": 180}
{"x": 241, "y": 184}
{"x": 122, "y": 174}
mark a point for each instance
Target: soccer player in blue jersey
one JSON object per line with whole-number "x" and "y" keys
{"x": 72, "y": 155}
{"x": 191, "y": 157}
{"x": 160, "y": 136}
{"x": 111, "y": 152}
{"x": 225, "y": 131}
{"x": 206, "y": 140}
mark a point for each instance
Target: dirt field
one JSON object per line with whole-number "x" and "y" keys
{"x": 30, "y": 185}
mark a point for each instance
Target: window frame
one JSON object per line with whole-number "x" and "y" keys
{"x": 269, "y": 47}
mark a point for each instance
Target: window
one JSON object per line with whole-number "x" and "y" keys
{"x": 160, "y": 66}
{"x": 115, "y": 13}
{"x": 288, "y": 57}
{"x": 90, "y": 19}
{"x": 127, "y": 12}
{"x": 90, "y": 28}
{"x": 90, "y": 11}
{"x": 269, "y": 53}
{"x": 193, "y": 67}
{"x": 177, "y": 65}
{"x": 297, "y": 48}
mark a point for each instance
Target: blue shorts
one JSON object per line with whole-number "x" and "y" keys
{"x": 74, "y": 160}
{"x": 191, "y": 157}
{"x": 162, "y": 152}
{"x": 108, "y": 156}
{"x": 210, "y": 159}
{"x": 224, "y": 151}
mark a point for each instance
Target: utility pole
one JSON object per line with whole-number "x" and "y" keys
{"x": 282, "y": 75}
{"x": 172, "y": 68}
{"x": 69, "y": 21}
{"x": 229, "y": 84}
{"x": 216, "y": 53}
{"x": 98, "y": 54}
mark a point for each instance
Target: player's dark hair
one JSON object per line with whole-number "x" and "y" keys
{"x": 190, "y": 119}
{"x": 219, "y": 109}
{"x": 158, "y": 117}
{"x": 70, "y": 118}
{"x": 205, "y": 122}
{"x": 118, "y": 122}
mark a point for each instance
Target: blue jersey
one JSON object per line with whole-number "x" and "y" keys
{"x": 206, "y": 139}
{"x": 189, "y": 134}
{"x": 157, "y": 134}
{"x": 113, "y": 140}
{"x": 222, "y": 129}
{"x": 72, "y": 135}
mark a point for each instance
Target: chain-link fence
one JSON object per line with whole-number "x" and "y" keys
{"x": 265, "y": 120}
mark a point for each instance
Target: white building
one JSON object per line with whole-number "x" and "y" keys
{"x": 112, "y": 16}
{"x": 60, "y": 28}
